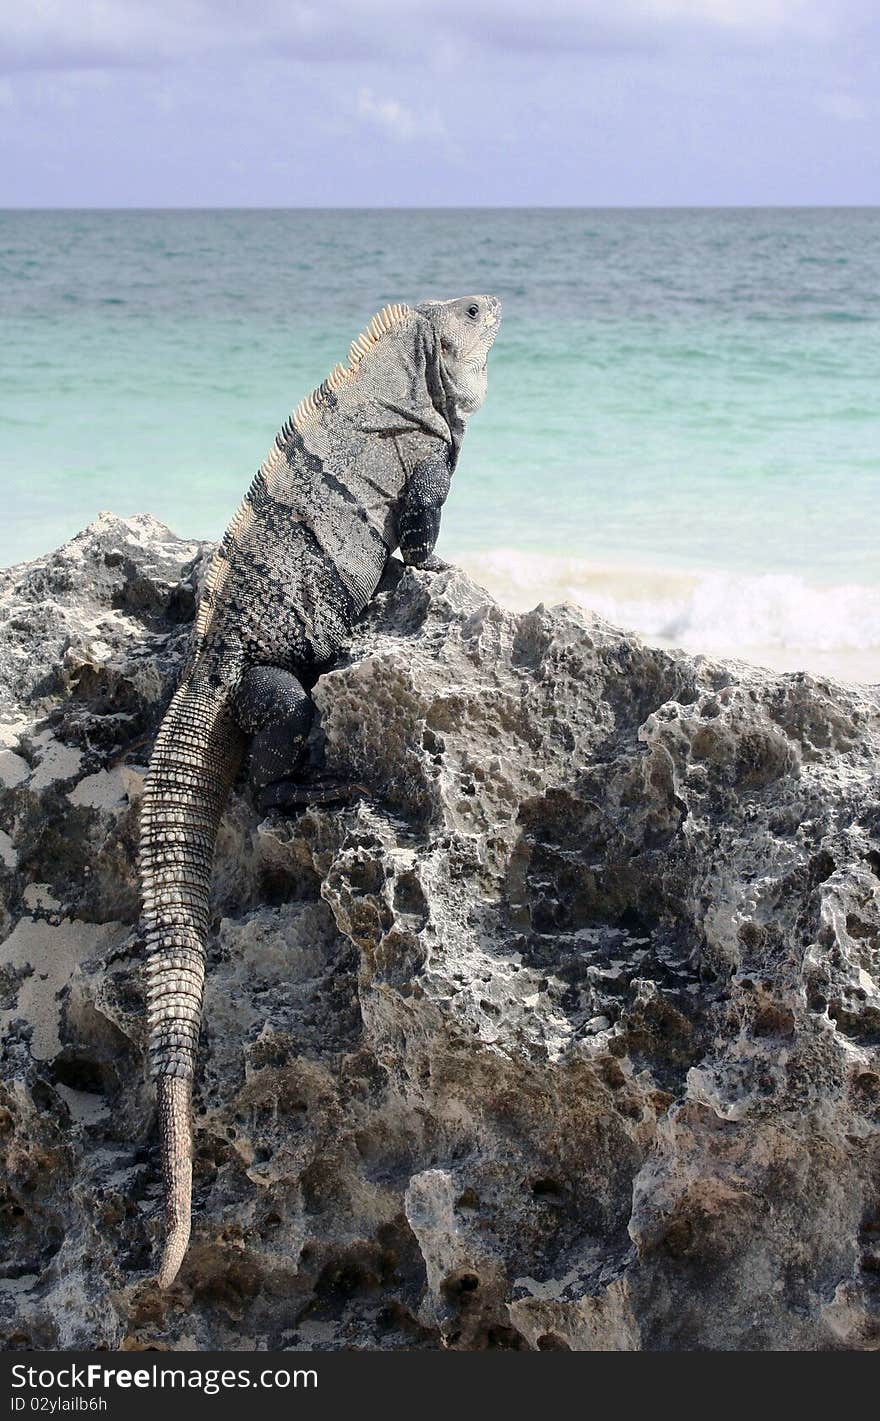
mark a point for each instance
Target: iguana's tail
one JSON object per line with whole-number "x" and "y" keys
{"x": 195, "y": 759}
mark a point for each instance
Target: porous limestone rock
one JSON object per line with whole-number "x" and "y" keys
{"x": 566, "y": 1034}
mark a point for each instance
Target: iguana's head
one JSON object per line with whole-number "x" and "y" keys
{"x": 465, "y": 329}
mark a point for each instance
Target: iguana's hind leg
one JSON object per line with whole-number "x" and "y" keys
{"x": 271, "y": 705}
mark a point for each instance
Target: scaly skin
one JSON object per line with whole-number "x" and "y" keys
{"x": 362, "y": 467}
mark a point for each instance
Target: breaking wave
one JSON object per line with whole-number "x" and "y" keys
{"x": 777, "y": 618}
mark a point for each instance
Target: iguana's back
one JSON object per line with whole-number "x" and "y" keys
{"x": 307, "y": 547}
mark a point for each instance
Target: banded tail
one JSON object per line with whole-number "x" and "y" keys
{"x": 195, "y": 759}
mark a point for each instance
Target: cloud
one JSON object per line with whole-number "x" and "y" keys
{"x": 395, "y": 119}
{"x": 76, "y": 34}
{"x": 602, "y": 26}
{"x": 388, "y": 114}
{"x": 80, "y": 34}
{"x": 846, "y": 108}
{"x": 734, "y": 14}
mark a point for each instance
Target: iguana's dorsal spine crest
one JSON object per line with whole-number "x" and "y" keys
{"x": 383, "y": 322}
{"x": 300, "y": 421}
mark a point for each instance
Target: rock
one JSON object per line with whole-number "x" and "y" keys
{"x": 565, "y": 1035}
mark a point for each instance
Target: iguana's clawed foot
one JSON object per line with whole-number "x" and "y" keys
{"x": 289, "y": 795}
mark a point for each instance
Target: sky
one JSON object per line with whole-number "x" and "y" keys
{"x": 412, "y": 103}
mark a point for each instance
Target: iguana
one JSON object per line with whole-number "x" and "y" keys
{"x": 362, "y": 467}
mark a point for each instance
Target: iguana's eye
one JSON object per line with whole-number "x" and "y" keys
{"x": 473, "y": 311}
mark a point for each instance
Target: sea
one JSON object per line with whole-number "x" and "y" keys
{"x": 682, "y": 431}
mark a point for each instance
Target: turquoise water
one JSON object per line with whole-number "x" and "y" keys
{"x": 692, "y": 395}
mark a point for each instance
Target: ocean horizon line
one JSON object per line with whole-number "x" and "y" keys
{"x": 456, "y": 207}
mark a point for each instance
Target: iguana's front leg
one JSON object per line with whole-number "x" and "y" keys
{"x": 418, "y": 518}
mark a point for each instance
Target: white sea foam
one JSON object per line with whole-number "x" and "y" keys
{"x": 777, "y": 619}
